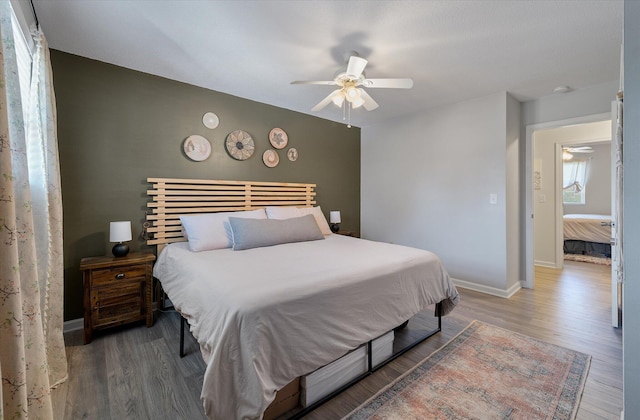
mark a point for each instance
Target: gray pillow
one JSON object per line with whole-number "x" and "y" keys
{"x": 255, "y": 233}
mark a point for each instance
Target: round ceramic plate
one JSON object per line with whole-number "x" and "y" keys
{"x": 197, "y": 148}
{"x": 270, "y": 158}
{"x": 292, "y": 154}
{"x": 210, "y": 120}
{"x": 240, "y": 145}
{"x": 278, "y": 138}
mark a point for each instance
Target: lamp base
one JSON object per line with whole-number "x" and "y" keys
{"x": 120, "y": 250}
{"x": 335, "y": 227}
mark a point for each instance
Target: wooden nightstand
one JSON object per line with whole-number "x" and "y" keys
{"x": 117, "y": 291}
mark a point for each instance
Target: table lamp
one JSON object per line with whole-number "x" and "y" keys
{"x": 334, "y": 221}
{"x": 120, "y": 232}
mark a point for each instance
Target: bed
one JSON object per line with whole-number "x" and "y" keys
{"x": 588, "y": 234}
{"x": 266, "y": 315}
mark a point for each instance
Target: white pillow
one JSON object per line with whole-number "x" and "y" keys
{"x": 209, "y": 231}
{"x": 281, "y": 213}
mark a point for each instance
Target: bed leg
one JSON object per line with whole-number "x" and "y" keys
{"x": 439, "y": 312}
{"x": 159, "y": 295}
{"x": 182, "y": 322}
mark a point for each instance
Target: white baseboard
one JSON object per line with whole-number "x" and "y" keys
{"x": 548, "y": 264}
{"x": 488, "y": 289}
{"x": 73, "y": 325}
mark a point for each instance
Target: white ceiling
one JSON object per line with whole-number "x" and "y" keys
{"x": 453, "y": 50}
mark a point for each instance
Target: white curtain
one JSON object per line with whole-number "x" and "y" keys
{"x": 44, "y": 175}
{"x": 32, "y": 354}
{"x": 574, "y": 174}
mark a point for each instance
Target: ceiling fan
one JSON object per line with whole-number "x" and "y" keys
{"x": 578, "y": 149}
{"x": 351, "y": 83}
{"x": 568, "y": 152}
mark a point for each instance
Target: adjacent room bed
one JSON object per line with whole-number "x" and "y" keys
{"x": 269, "y": 293}
{"x": 587, "y": 234}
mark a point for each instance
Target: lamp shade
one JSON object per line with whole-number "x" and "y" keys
{"x": 334, "y": 217}
{"x": 338, "y": 98}
{"x": 120, "y": 231}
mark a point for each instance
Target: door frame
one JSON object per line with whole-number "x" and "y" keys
{"x": 529, "y": 280}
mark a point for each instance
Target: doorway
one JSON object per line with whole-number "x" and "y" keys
{"x": 543, "y": 188}
{"x": 587, "y": 147}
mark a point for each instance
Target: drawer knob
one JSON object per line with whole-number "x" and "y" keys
{"x": 119, "y": 276}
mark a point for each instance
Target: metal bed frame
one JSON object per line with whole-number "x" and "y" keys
{"x": 370, "y": 368}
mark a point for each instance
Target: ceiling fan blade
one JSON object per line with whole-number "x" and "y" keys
{"x": 388, "y": 83}
{"x": 355, "y": 67}
{"x": 369, "y": 103}
{"x": 579, "y": 149}
{"x": 314, "y": 82}
{"x": 326, "y": 101}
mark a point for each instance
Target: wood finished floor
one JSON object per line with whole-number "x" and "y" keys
{"x": 135, "y": 372}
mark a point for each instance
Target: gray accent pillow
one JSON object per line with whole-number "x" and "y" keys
{"x": 256, "y": 233}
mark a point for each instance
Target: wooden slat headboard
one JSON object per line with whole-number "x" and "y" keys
{"x": 174, "y": 197}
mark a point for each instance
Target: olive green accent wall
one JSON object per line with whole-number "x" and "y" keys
{"x": 117, "y": 126}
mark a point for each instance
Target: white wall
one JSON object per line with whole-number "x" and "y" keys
{"x": 631, "y": 300}
{"x": 592, "y": 100}
{"x": 427, "y": 180}
{"x": 545, "y": 205}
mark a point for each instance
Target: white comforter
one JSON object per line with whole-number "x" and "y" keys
{"x": 265, "y": 316}
{"x": 587, "y": 227}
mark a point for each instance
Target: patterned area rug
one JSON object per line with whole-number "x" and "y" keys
{"x": 588, "y": 258}
{"x": 486, "y": 372}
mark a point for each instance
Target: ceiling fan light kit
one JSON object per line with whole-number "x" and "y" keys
{"x": 337, "y": 98}
{"x": 350, "y": 94}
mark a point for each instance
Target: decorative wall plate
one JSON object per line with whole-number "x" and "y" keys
{"x": 210, "y": 120}
{"x": 278, "y": 138}
{"x": 240, "y": 145}
{"x": 197, "y": 148}
{"x": 292, "y": 154}
{"x": 270, "y": 158}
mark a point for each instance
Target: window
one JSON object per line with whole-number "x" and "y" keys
{"x": 35, "y": 150}
{"x": 23, "y": 56}
{"x": 574, "y": 180}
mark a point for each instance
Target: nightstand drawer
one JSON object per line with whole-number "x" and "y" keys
{"x": 113, "y": 305}
{"x": 117, "y": 274}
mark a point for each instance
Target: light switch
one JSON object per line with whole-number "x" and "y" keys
{"x": 493, "y": 198}
{"x": 542, "y": 198}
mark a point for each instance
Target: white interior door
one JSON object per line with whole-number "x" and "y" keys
{"x": 616, "y": 214}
